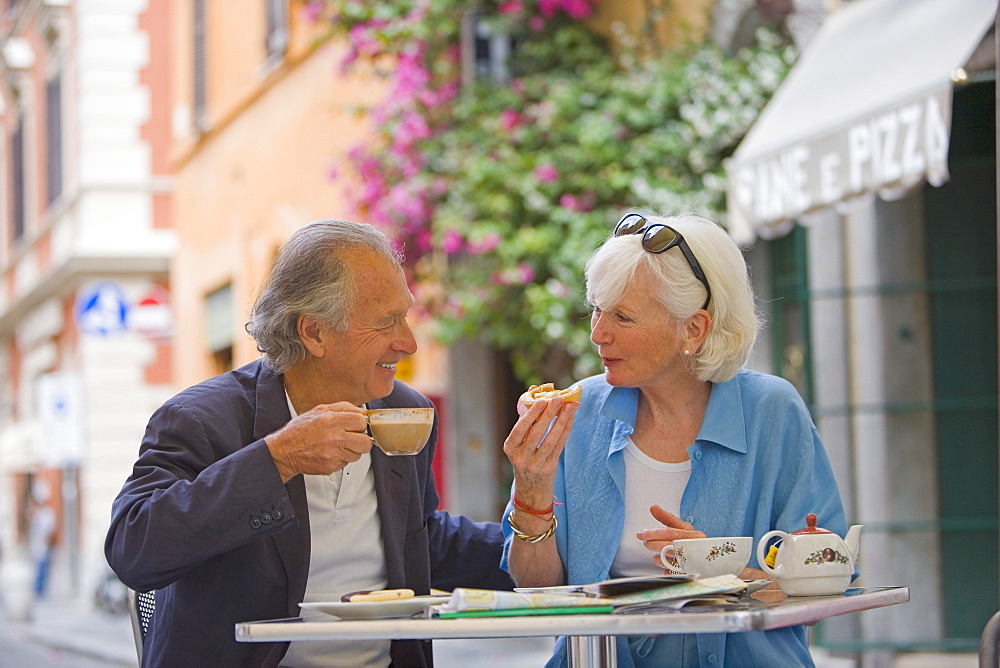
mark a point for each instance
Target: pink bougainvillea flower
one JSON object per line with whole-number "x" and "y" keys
{"x": 423, "y": 241}
{"x": 485, "y": 245}
{"x": 525, "y": 273}
{"x": 509, "y": 119}
{"x": 571, "y": 202}
{"x": 548, "y": 7}
{"x": 537, "y": 23}
{"x": 577, "y": 9}
{"x": 557, "y": 288}
{"x": 452, "y": 242}
{"x": 432, "y": 98}
{"x": 411, "y": 129}
{"x": 364, "y": 37}
{"x": 517, "y": 85}
{"x": 454, "y": 308}
{"x": 312, "y": 11}
{"x": 546, "y": 173}
{"x": 511, "y": 7}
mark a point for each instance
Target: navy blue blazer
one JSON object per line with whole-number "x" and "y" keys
{"x": 205, "y": 520}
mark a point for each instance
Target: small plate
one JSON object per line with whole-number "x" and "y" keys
{"x": 755, "y": 585}
{"x": 406, "y": 607}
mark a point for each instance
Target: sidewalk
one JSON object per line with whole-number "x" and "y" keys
{"x": 76, "y": 627}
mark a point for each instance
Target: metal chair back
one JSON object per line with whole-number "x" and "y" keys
{"x": 141, "y": 606}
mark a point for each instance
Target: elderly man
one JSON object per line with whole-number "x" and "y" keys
{"x": 259, "y": 488}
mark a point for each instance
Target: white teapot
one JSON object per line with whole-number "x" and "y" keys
{"x": 812, "y": 561}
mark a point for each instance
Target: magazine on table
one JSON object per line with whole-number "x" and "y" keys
{"x": 613, "y": 587}
{"x": 650, "y": 590}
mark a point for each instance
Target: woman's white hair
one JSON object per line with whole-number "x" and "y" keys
{"x": 735, "y": 321}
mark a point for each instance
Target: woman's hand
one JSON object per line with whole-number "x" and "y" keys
{"x": 533, "y": 448}
{"x": 675, "y": 529}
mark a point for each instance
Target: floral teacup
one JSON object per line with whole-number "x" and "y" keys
{"x": 708, "y": 557}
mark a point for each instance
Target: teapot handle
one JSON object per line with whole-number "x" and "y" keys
{"x": 761, "y": 552}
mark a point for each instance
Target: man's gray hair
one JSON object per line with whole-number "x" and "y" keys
{"x": 310, "y": 275}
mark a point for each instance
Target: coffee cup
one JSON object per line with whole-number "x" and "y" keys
{"x": 708, "y": 557}
{"x": 400, "y": 431}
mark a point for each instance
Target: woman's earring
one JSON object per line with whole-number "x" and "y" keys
{"x": 687, "y": 352}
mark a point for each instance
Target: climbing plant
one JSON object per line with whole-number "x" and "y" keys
{"x": 500, "y": 189}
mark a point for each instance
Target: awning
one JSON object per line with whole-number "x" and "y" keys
{"x": 866, "y": 108}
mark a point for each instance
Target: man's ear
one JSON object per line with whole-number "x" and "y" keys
{"x": 311, "y": 333}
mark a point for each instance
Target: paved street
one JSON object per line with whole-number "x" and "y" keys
{"x": 74, "y": 635}
{"x": 66, "y": 635}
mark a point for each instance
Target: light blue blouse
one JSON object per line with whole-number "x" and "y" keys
{"x": 758, "y": 464}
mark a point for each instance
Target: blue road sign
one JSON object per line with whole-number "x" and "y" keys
{"x": 102, "y": 309}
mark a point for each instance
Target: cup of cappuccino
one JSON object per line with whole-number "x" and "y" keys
{"x": 401, "y": 431}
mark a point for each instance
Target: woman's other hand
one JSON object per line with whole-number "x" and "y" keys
{"x": 674, "y": 529}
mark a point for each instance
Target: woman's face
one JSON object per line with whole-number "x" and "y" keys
{"x": 639, "y": 343}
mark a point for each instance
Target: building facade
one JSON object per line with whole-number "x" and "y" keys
{"x": 85, "y": 242}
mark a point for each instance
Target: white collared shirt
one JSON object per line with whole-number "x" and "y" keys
{"x": 346, "y": 554}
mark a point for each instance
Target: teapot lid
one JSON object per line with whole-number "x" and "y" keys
{"x": 811, "y": 527}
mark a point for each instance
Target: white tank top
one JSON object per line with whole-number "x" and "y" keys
{"x": 648, "y": 482}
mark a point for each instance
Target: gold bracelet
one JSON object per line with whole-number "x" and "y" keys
{"x": 532, "y": 539}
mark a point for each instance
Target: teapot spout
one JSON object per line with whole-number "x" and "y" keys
{"x": 853, "y": 540}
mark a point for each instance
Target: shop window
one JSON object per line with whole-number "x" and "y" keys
{"x": 791, "y": 314}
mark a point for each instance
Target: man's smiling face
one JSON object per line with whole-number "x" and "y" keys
{"x": 360, "y": 363}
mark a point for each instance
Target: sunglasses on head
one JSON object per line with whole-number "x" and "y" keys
{"x": 659, "y": 238}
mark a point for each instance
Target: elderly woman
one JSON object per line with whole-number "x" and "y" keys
{"x": 675, "y": 439}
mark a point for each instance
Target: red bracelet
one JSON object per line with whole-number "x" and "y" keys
{"x": 520, "y": 505}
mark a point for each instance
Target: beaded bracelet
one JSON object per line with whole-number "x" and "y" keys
{"x": 532, "y": 539}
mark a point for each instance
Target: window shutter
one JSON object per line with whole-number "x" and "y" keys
{"x": 53, "y": 109}
{"x": 277, "y": 28}
{"x": 200, "y": 74}
{"x": 17, "y": 180}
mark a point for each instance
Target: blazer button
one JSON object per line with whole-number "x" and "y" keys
{"x": 255, "y": 523}
{"x": 265, "y": 518}
{"x": 276, "y": 514}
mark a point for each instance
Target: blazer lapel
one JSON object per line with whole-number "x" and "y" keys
{"x": 392, "y": 488}
{"x": 270, "y": 414}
